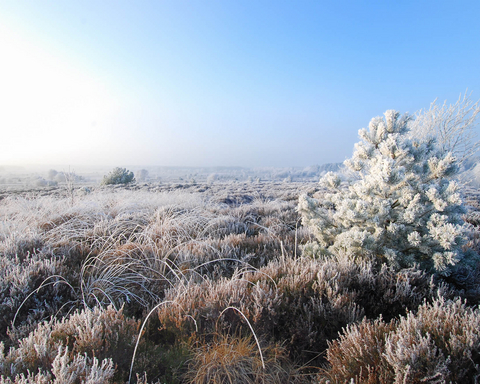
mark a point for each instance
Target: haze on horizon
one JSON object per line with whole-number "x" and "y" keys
{"x": 221, "y": 83}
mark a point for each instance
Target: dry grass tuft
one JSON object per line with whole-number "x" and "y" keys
{"x": 228, "y": 359}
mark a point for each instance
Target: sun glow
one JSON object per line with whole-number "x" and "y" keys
{"x": 51, "y": 109}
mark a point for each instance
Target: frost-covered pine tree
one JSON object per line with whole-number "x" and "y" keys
{"x": 404, "y": 208}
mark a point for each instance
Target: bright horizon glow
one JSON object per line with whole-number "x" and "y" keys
{"x": 192, "y": 83}
{"x": 48, "y": 105}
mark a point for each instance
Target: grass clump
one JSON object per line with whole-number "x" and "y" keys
{"x": 228, "y": 359}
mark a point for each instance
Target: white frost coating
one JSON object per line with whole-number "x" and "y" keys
{"x": 405, "y": 208}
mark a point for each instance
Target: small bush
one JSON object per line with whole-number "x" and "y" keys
{"x": 118, "y": 176}
{"x": 30, "y": 291}
{"x": 67, "y": 345}
{"x": 438, "y": 344}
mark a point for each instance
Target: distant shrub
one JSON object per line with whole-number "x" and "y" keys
{"x": 141, "y": 175}
{"x": 404, "y": 207}
{"x": 118, "y": 176}
{"x": 211, "y": 178}
{"x": 40, "y": 182}
{"x": 59, "y": 177}
{"x": 438, "y": 344}
{"x": 52, "y": 173}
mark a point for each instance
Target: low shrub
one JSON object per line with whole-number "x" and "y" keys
{"x": 303, "y": 303}
{"x": 80, "y": 342}
{"x": 118, "y": 176}
{"x": 81, "y": 370}
{"x": 31, "y": 290}
{"x": 195, "y": 257}
{"x": 438, "y": 344}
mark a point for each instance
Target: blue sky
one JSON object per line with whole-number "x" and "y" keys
{"x": 208, "y": 83}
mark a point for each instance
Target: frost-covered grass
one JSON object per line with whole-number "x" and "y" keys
{"x": 220, "y": 270}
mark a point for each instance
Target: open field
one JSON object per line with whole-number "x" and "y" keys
{"x": 206, "y": 283}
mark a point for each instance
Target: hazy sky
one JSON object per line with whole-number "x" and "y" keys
{"x": 231, "y": 82}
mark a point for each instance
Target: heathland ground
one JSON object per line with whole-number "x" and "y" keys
{"x": 207, "y": 283}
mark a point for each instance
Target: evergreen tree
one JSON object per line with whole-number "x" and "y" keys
{"x": 119, "y": 176}
{"x": 404, "y": 208}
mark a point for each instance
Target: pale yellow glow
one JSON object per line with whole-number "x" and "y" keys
{"x": 51, "y": 111}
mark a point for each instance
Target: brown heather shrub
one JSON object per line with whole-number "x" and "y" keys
{"x": 438, "y": 344}
{"x": 303, "y": 303}
{"x": 228, "y": 359}
{"x": 82, "y": 369}
{"x": 31, "y": 290}
{"x": 357, "y": 355}
{"x": 30, "y": 378}
{"x": 78, "y": 344}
